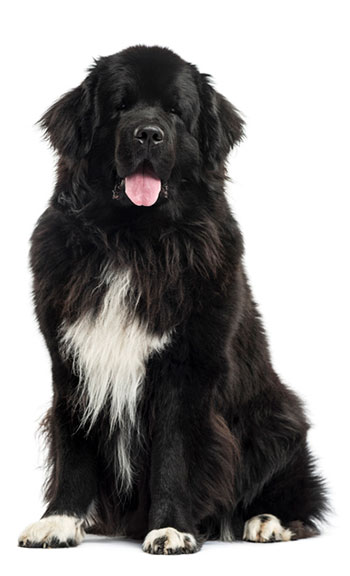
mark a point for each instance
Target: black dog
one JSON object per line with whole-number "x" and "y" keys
{"x": 168, "y": 422}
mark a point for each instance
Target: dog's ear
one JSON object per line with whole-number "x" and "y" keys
{"x": 220, "y": 125}
{"x": 70, "y": 123}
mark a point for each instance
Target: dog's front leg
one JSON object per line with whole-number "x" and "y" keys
{"x": 182, "y": 404}
{"x": 170, "y": 521}
{"x": 72, "y": 484}
{"x": 193, "y": 451}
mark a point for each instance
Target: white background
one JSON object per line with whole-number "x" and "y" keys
{"x": 285, "y": 65}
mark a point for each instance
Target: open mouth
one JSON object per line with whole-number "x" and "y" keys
{"x": 143, "y": 187}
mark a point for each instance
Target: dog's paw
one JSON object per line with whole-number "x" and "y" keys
{"x": 169, "y": 541}
{"x": 266, "y": 528}
{"x": 53, "y": 532}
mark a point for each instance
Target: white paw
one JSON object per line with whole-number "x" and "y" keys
{"x": 169, "y": 541}
{"x": 53, "y": 532}
{"x": 266, "y": 528}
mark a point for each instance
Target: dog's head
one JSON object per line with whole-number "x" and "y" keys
{"x": 143, "y": 121}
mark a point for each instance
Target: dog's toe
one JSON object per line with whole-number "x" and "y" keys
{"x": 169, "y": 541}
{"x": 266, "y": 528}
{"x": 57, "y": 531}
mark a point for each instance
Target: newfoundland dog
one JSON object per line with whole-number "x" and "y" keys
{"x": 168, "y": 422}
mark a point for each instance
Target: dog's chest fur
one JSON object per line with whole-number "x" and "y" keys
{"x": 109, "y": 351}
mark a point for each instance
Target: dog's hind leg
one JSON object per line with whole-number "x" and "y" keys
{"x": 290, "y": 505}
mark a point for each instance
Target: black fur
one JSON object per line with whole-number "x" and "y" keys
{"x": 222, "y": 439}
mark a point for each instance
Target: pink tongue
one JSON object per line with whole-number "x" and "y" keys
{"x": 143, "y": 187}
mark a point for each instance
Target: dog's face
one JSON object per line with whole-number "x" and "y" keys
{"x": 150, "y": 119}
{"x": 157, "y": 105}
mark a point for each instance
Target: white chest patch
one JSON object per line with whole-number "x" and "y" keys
{"x": 109, "y": 353}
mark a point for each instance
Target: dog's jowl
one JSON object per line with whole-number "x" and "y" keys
{"x": 168, "y": 422}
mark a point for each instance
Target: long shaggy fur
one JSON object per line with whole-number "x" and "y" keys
{"x": 166, "y": 409}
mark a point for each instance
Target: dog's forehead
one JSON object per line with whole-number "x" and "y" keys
{"x": 152, "y": 72}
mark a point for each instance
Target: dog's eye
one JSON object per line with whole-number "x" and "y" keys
{"x": 175, "y": 110}
{"x": 124, "y": 104}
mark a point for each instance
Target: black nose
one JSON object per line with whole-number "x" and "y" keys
{"x": 149, "y": 134}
